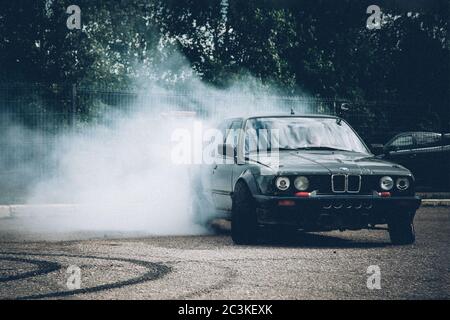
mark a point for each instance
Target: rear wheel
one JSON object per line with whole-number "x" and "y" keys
{"x": 243, "y": 216}
{"x": 401, "y": 230}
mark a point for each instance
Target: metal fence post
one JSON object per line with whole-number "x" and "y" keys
{"x": 73, "y": 108}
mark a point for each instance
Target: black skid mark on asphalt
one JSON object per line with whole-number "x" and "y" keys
{"x": 228, "y": 276}
{"x": 157, "y": 271}
{"x": 45, "y": 267}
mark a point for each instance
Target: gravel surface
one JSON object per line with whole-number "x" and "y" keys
{"x": 114, "y": 265}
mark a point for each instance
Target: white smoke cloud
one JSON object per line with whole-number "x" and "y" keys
{"x": 119, "y": 171}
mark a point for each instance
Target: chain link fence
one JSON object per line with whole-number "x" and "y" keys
{"x": 34, "y": 116}
{"x": 375, "y": 121}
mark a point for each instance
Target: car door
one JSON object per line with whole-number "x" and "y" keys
{"x": 222, "y": 172}
{"x": 400, "y": 150}
{"x": 428, "y": 160}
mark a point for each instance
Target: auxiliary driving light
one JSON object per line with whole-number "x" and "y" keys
{"x": 282, "y": 183}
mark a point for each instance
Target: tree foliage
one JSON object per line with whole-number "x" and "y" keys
{"x": 319, "y": 47}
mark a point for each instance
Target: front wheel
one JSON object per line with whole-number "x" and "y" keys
{"x": 401, "y": 230}
{"x": 243, "y": 216}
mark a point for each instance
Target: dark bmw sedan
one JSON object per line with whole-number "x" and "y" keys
{"x": 311, "y": 173}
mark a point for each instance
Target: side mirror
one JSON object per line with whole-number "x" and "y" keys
{"x": 342, "y": 109}
{"x": 226, "y": 150}
{"x": 377, "y": 149}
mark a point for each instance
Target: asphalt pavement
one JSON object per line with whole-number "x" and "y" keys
{"x": 334, "y": 265}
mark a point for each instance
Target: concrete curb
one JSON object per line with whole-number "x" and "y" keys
{"x": 434, "y": 195}
{"x": 27, "y": 211}
{"x": 62, "y": 210}
{"x": 436, "y": 203}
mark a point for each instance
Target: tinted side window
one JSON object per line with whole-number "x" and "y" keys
{"x": 428, "y": 139}
{"x": 402, "y": 143}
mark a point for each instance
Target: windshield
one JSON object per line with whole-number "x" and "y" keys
{"x": 292, "y": 133}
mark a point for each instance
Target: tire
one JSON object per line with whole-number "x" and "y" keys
{"x": 243, "y": 216}
{"x": 401, "y": 230}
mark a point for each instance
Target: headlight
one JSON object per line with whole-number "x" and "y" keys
{"x": 402, "y": 184}
{"x": 301, "y": 183}
{"x": 282, "y": 183}
{"x": 386, "y": 183}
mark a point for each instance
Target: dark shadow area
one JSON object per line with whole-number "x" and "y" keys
{"x": 313, "y": 240}
{"x": 285, "y": 237}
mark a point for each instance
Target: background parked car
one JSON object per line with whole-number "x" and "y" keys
{"x": 426, "y": 154}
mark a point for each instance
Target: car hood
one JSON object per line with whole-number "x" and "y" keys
{"x": 329, "y": 162}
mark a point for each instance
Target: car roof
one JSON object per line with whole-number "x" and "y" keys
{"x": 312, "y": 116}
{"x": 417, "y": 132}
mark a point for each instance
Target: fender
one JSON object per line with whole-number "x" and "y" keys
{"x": 249, "y": 180}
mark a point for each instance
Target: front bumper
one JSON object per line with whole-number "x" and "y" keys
{"x": 334, "y": 212}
